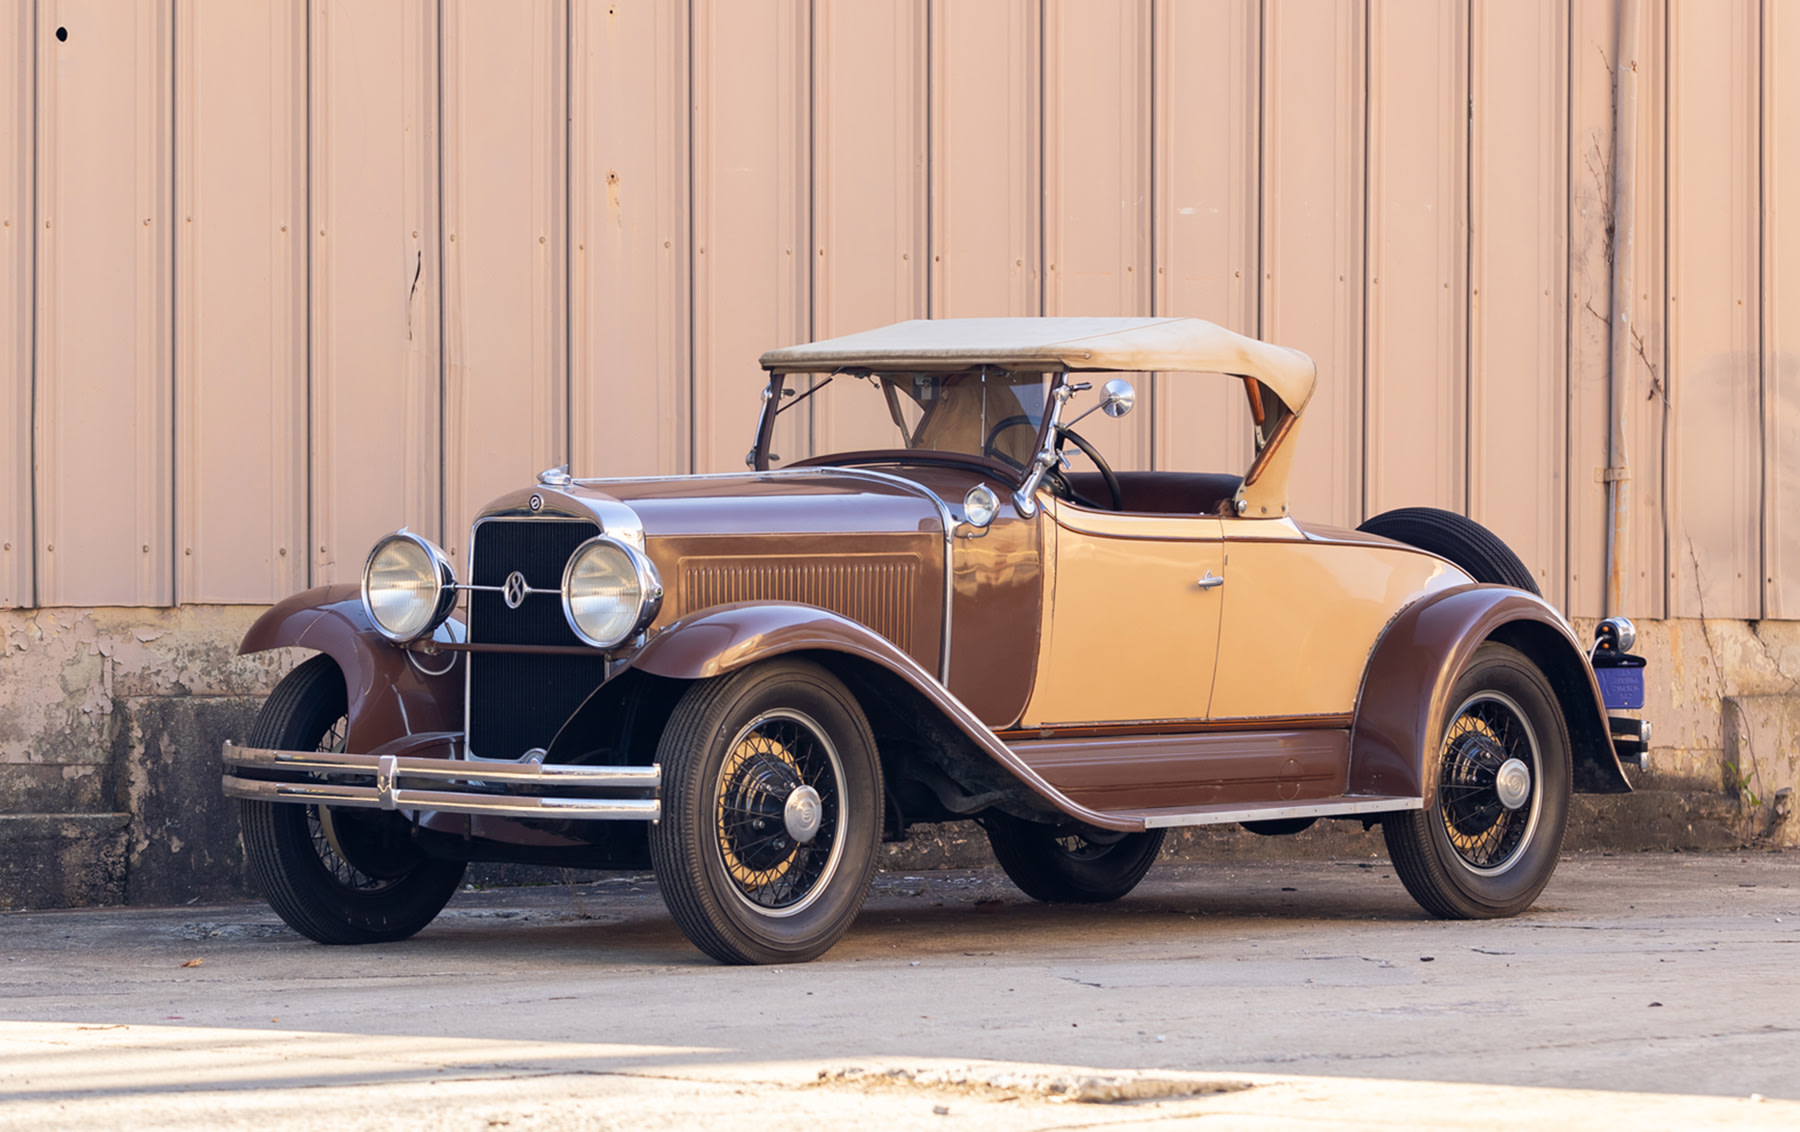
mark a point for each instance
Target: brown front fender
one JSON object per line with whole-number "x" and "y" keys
{"x": 728, "y": 637}
{"x": 390, "y": 696}
{"x": 1405, "y": 697}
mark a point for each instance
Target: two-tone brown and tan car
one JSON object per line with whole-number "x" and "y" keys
{"x": 750, "y": 680}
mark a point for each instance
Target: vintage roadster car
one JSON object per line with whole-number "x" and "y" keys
{"x": 749, "y": 680}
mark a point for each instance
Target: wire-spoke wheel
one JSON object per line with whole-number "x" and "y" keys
{"x": 771, "y": 813}
{"x": 335, "y": 875}
{"x": 1488, "y": 840}
{"x": 1070, "y": 864}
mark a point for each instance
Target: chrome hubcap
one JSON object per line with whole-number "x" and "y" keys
{"x": 803, "y": 814}
{"x": 1513, "y": 783}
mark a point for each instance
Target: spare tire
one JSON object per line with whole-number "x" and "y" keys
{"x": 1471, "y": 546}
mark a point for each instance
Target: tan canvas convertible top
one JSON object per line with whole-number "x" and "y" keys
{"x": 1122, "y": 344}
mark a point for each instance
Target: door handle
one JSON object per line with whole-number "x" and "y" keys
{"x": 1211, "y": 581}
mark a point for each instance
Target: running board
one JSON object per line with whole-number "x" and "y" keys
{"x": 1275, "y": 811}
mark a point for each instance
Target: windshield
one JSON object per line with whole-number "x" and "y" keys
{"x": 987, "y": 414}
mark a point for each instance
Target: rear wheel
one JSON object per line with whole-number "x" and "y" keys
{"x": 335, "y": 875}
{"x": 1488, "y": 842}
{"x": 771, "y": 814}
{"x": 1074, "y": 864}
{"x": 1471, "y": 546}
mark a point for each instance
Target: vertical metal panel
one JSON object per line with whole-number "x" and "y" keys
{"x": 1206, "y": 113}
{"x": 1416, "y": 379}
{"x": 1312, "y": 237}
{"x": 1592, "y": 39}
{"x": 1713, "y": 307}
{"x": 985, "y": 163}
{"x": 103, "y": 406}
{"x": 752, "y": 209}
{"x": 240, "y": 299}
{"x": 869, "y": 188}
{"x": 374, "y": 278}
{"x": 1097, "y": 189}
{"x": 1781, "y": 309}
{"x": 17, "y": 225}
{"x": 630, "y": 337}
{"x": 1518, "y": 193}
{"x": 505, "y": 106}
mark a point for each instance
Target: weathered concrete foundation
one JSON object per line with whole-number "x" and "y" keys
{"x": 111, "y": 722}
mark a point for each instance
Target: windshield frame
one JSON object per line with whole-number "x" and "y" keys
{"x": 775, "y": 392}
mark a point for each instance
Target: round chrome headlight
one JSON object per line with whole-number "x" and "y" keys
{"x": 408, "y": 587}
{"x": 610, "y": 592}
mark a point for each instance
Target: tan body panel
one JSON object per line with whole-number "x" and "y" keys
{"x": 1301, "y": 615}
{"x": 1129, "y": 634}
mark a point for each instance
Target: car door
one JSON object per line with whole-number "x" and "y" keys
{"x": 1305, "y": 610}
{"x": 1131, "y": 618}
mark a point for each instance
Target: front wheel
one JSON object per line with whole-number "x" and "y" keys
{"x": 335, "y": 875}
{"x": 771, "y": 813}
{"x": 1488, "y": 842}
{"x": 1071, "y": 865}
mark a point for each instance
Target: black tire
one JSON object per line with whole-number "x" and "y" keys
{"x": 1480, "y": 850}
{"x": 1471, "y": 546}
{"x": 1071, "y": 865}
{"x": 334, "y": 875}
{"x": 743, "y": 881}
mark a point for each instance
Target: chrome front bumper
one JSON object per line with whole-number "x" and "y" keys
{"x": 468, "y": 788}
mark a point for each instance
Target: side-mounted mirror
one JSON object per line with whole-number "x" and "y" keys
{"x": 1120, "y": 398}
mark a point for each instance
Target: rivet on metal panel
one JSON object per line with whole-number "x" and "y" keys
{"x": 540, "y": 239}
{"x": 283, "y": 552}
{"x": 188, "y": 551}
{"x": 146, "y": 222}
{"x": 51, "y": 548}
{"x": 665, "y": 243}
{"x": 284, "y": 227}
{"x": 146, "y": 548}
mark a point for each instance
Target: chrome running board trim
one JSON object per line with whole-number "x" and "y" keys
{"x": 1276, "y": 812}
{"x": 389, "y": 771}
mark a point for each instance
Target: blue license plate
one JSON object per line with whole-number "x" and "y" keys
{"x": 1621, "y": 687}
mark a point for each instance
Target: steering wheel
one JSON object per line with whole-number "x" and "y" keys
{"x": 1100, "y": 465}
{"x": 1059, "y": 485}
{"x": 1017, "y": 420}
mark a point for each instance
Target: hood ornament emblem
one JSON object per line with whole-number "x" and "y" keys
{"x": 515, "y": 590}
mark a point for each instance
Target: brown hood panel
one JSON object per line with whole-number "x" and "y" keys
{"x": 866, "y": 550}
{"x": 818, "y": 503}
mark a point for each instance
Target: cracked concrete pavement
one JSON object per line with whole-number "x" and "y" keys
{"x": 1654, "y": 989}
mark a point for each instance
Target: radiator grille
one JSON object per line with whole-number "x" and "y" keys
{"x": 518, "y": 700}
{"x": 877, "y": 591}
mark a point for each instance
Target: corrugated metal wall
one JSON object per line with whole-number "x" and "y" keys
{"x": 277, "y": 278}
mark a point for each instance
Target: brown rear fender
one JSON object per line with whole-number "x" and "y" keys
{"x": 1405, "y": 696}
{"x": 390, "y": 696}
{"x": 725, "y": 638}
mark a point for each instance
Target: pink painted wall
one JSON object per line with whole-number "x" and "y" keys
{"x": 278, "y": 278}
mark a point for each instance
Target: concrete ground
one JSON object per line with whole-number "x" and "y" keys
{"x": 1648, "y": 991}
